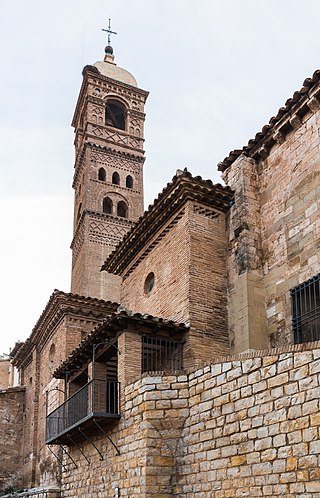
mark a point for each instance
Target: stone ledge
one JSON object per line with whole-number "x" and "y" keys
{"x": 36, "y": 493}
{"x": 14, "y": 389}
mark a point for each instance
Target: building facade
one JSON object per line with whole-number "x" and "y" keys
{"x": 185, "y": 360}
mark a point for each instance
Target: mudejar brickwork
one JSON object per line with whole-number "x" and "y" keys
{"x": 185, "y": 360}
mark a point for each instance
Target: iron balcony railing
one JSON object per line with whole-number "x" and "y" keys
{"x": 98, "y": 399}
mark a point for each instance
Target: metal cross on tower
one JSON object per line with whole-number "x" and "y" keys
{"x": 110, "y": 32}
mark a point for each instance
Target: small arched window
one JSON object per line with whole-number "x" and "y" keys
{"x": 52, "y": 353}
{"x": 122, "y": 209}
{"x": 116, "y": 178}
{"x": 115, "y": 115}
{"x": 107, "y": 205}
{"x": 129, "y": 181}
{"x": 149, "y": 283}
{"x": 102, "y": 175}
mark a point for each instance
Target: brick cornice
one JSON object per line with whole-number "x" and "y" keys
{"x": 183, "y": 187}
{"x": 60, "y": 305}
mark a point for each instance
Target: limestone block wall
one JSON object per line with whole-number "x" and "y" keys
{"x": 253, "y": 428}
{"x": 35, "y": 493}
{"x": 245, "y": 426}
{"x": 146, "y": 438}
{"x": 246, "y": 291}
{"x": 11, "y": 430}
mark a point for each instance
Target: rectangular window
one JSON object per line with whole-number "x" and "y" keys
{"x": 305, "y": 305}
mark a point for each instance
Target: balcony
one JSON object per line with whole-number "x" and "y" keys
{"x": 97, "y": 401}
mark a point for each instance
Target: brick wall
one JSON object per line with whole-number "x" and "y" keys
{"x": 245, "y": 426}
{"x": 188, "y": 259}
{"x": 99, "y": 145}
{"x": 95, "y": 239}
{"x": 38, "y": 465}
{"x": 11, "y": 430}
{"x": 66, "y": 337}
{"x": 169, "y": 261}
{"x": 208, "y": 336}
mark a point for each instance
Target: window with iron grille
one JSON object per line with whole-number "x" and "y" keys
{"x": 305, "y": 305}
{"x": 161, "y": 355}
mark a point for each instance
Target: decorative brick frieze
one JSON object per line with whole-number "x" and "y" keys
{"x": 106, "y": 233}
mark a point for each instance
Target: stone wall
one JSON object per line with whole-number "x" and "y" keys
{"x": 245, "y": 426}
{"x": 274, "y": 234}
{"x": 11, "y": 429}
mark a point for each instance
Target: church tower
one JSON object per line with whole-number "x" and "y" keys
{"x": 108, "y": 176}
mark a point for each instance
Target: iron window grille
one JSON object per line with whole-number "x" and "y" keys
{"x": 161, "y": 355}
{"x": 305, "y": 307}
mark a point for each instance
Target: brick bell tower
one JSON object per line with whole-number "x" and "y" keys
{"x": 108, "y": 177}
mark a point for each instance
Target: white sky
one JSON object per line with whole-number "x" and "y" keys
{"x": 217, "y": 70}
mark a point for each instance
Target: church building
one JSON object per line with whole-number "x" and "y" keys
{"x": 185, "y": 361}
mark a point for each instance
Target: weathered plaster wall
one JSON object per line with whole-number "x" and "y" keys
{"x": 11, "y": 429}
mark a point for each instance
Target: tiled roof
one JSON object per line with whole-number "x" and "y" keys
{"x": 183, "y": 187}
{"x": 279, "y": 123}
{"x": 114, "y": 323}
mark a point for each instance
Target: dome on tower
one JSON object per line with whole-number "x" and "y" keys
{"x": 109, "y": 68}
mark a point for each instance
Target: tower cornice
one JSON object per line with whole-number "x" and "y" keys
{"x": 92, "y": 73}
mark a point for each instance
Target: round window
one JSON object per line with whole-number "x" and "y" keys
{"x": 149, "y": 283}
